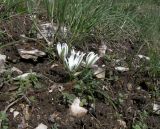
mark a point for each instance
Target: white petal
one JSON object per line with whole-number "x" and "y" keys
{"x": 71, "y": 66}
{"x": 66, "y": 63}
{"x": 71, "y": 62}
{"x": 94, "y": 60}
{"x": 78, "y": 53}
{"x": 76, "y": 62}
{"x": 66, "y": 50}
{"x": 65, "y": 46}
{"x": 92, "y": 56}
{"x": 88, "y": 56}
{"x": 73, "y": 52}
{"x": 91, "y": 59}
{"x": 81, "y": 58}
{"x": 59, "y": 48}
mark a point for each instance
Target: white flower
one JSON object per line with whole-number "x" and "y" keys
{"x": 74, "y": 61}
{"x": 62, "y": 50}
{"x": 91, "y": 59}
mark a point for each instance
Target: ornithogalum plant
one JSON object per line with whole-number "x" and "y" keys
{"x": 74, "y": 60}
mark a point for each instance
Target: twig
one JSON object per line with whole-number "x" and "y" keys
{"x": 12, "y": 43}
{"x": 11, "y": 104}
{"x": 33, "y": 39}
{"x": 27, "y": 99}
{"x": 95, "y": 119}
{"x": 100, "y": 72}
{"x": 43, "y": 76}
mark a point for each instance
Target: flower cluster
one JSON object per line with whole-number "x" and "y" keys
{"x": 73, "y": 62}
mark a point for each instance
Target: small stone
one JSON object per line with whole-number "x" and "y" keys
{"x": 50, "y": 91}
{"x": 3, "y": 57}
{"x": 129, "y": 86}
{"x": 18, "y": 71}
{"x": 138, "y": 88}
{"x": 122, "y": 69}
{"x": 11, "y": 110}
{"x": 54, "y": 65}
{"x": 2, "y": 63}
{"x": 100, "y": 72}
{"x": 156, "y": 108}
{"x": 76, "y": 110}
{"x": 15, "y": 114}
{"x": 41, "y": 126}
{"x": 122, "y": 124}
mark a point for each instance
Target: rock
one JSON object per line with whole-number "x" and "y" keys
{"x": 31, "y": 54}
{"x": 15, "y": 114}
{"x": 11, "y": 110}
{"x": 156, "y": 108}
{"x": 99, "y": 72}
{"x": 41, "y": 126}
{"x": 18, "y": 71}
{"x": 2, "y": 63}
{"x": 3, "y": 57}
{"x": 122, "y": 69}
{"x": 76, "y": 110}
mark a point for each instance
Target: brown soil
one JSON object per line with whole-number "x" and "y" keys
{"x": 132, "y": 93}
